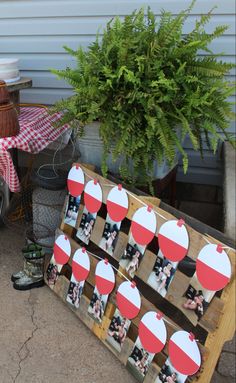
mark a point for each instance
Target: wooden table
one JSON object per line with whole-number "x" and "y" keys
{"x": 15, "y": 88}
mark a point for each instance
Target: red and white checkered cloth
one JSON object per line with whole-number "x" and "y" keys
{"x": 36, "y": 133}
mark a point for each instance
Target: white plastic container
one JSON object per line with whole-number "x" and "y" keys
{"x": 9, "y": 71}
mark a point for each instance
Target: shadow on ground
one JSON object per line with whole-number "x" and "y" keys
{"x": 41, "y": 341}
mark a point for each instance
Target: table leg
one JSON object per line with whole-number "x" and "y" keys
{"x": 15, "y": 98}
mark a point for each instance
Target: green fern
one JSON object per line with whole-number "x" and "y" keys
{"x": 145, "y": 82}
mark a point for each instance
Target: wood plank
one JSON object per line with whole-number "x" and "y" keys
{"x": 146, "y": 265}
{"x": 213, "y": 315}
{"x": 23, "y": 83}
{"x": 196, "y": 239}
{"x": 217, "y": 321}
{"x": 201, "y": 227}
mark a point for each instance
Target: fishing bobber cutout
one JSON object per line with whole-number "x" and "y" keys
{"x": 80, "y": 265}
{"x": 213, "y": 267}
{"x": 62, "y": 250}
{"x": 75, "y": 181}
{"x": 143, "y": 225}
{"x": 61, "y": 255}
{"x": 117, "y": 203}
{"x": 173, "y": 240}
{"x": 128, "y": 300}
{"x": 184, "y": 353}
{"x": 152, "y": 332}
{"x": 80, "y": 271}
{"x": 104, "y": 277}
{"x": 93, "y": 196}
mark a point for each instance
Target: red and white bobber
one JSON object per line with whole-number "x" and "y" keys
{"x": 93, "y": 196}
{"x": 173, "y": 240}
{"x": 62, "y": 250}
{"x": 128, "y": 300}
{"x": 152, "y": 332}
{"x": 184, "y": 353}
{"x": 80, "y": 265}
{"x": 117, "y": 203}
{"x": 143, "y": 225}
{"x": 104, "y": 277}
{"x": 75, "y": 181}
{"x": 213, "y": 267}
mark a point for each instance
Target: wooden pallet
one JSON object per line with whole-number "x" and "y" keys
{"x": 215, "y": 327}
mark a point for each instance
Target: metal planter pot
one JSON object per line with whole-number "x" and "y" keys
{"x": 90, "y": 148}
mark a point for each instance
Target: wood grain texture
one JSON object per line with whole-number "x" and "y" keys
{"x": 217, "y": 322}
{"x": 23, "y": 83}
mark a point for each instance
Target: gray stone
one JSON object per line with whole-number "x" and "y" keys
{"x": 230, "y": 346}
{"x": 226, "y": 365}
{"x": 217, "y": 378}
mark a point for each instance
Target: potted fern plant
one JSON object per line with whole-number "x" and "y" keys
{"x": 147, "y": 88}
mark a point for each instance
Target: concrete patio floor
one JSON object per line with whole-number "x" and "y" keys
{"x": 41, "y": 341}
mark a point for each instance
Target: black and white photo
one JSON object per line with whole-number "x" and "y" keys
{"x": 75, "y": 292}
{"x": 52, "y": 274}
{"x": 132, "y": 257}
{"x": 72, "y": 210}
{"x": 169, "y": 375}
{"x": 97, "y": 305}
{"x": 196, "y": 300}
{"x": 139, "y": 361}
{"x": 110, "y": 235}
{"x": 162, "y": 274}
{"x": 118, "y": 330}
{"x": 85, "y": 229}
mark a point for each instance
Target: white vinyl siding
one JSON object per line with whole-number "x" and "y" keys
{"x": 35, "y": 32}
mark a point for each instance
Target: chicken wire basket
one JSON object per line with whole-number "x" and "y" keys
{"x": 36, "y": 209}
{"x": 46, "y": 208}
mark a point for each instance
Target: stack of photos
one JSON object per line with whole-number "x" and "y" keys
{"x": 169, "y": 375}
{"x": 132, "y": 256}
{"x": 139, "y": 361}
{"x": 52, "y": 274}
{"x": 97, "y": 305}
{"x": 118, "y": 330}
{"x": 110, "y": 235}
{"x": 162, "y": 274}
{"x": 86, "y": 226}
{"x": 195, "y": 301}
{"x": 75, "y": 292}
{"x": 72, "y": 210}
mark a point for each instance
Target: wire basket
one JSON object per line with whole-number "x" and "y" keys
{"x": 43, "y": 236}
{"x": 36, "y": 209}
{"x": 46, "y": 206}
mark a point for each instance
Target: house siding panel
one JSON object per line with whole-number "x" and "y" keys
{"x": 35, "y": 31}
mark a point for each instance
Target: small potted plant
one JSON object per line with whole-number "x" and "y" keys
{"x": 146, "y": 86}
